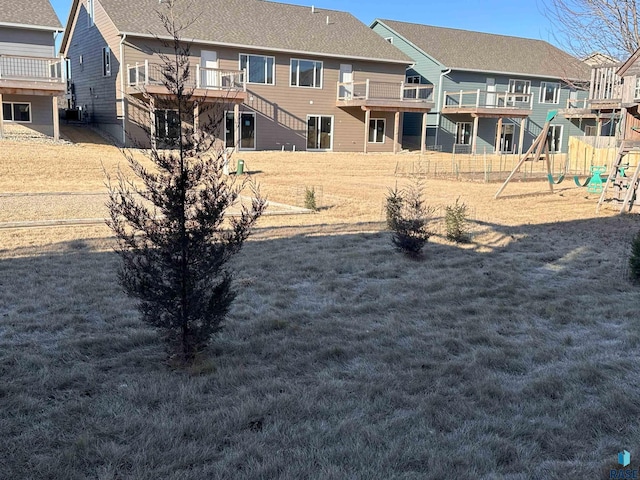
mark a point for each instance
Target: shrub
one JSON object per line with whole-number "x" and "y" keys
{"x": 310, "y": 199}
{"x": 408, "y": 218}
{"x": 634, "y": 261}
{"x": 456, "y": 222}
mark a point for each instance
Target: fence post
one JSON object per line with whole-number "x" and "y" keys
{"x": 146, "y": 72}
{"x": 366, "y": 94}
{"x": 478, "y": 99}
{"x": 402, "y": 91}
{"x": 137, "y": 75}
{"x": 198, "y": 76}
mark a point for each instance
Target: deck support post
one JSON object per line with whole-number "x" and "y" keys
{"x": 1, "y": 119}
{"x": 152, "y": 119}
{"x": 396, "y": 132}
{"x": 196, "y": 117}
{"x": 598, "y": 126}
{"x": 367, "y": 119}
{"x": 523, "y": 124}
{"x": 498, "y": 134}
{"x": 423, "y": 141}
{"x": 236, "y": 126}
{"x": 56, "y": 118}
{"x": 474, "y": 139}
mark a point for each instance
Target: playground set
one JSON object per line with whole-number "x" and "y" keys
{"x": 614, "y": 187}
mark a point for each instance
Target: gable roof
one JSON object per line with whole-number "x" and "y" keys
{"x": 487, "y": 52}
{"x": 630, "y": 62}
{"x": 258, "y": 24}
{"x": 29, "y": 13}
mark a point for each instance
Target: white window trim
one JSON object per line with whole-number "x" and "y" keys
{"x": 419, "y": 77}
{"x": 636, "y": 93}
{"x": 553, "y": 127}
{"x": 19, "y": 103}
{"x": 384, "y": 134}
{"x": 265, "y": 68}
{"x": 515, "y": 95}
{"x": 106, "y": 62}
{"x": 333, "y": 126}
{"x": 556, "y": 92}
{"x": 91, "y": 12}
{"x": 470, "y": 124}
{"x": 315, "y": 62}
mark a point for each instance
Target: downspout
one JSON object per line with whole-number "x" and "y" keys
{"x": 122, "y": 102}
{"x": 439, "y": 106}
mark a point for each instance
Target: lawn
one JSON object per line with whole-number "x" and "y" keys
{"x": 516, "y": 356}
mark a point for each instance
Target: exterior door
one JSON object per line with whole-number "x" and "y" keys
{"x": 491, "y": 89}
{"x": 209, "y": 73}
{"x": 506, "y": 138}
{"x": 248, "y": 131}
{"x": 319, "y": 132}
{"x": 346, "y": 76}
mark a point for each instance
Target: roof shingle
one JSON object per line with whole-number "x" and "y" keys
{"x": 260, "y": 23}
{"x": 466, "y": 50}
{"x": 29, "y": 12}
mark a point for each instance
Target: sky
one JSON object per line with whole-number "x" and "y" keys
{"x": 506, "y": 17}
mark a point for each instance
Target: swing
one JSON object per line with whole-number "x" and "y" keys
{"x": 576, "y": 179}
{"x": 555, "y": 182}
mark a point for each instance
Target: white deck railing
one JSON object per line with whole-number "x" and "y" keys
{"x": 372, "y": 90}
{"x": 34, "y": 69}
{"x": 485, "y": 99}
{"x": 147, "y": 73}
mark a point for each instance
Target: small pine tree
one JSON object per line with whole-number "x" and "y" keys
{"x": 172, "y": 234}
{"x": 456, "y": 222}
{"x": 310, "y": 199}
{"x": 408, "y": 218}
{"x": 634, "y": 261}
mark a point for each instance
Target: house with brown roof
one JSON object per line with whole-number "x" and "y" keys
{"x": 288, "y": 77}
{"x": 31, "y": 77}
{"x": 492, "y": 92}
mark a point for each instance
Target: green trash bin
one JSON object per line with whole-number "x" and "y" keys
{"x": 240, "y": 169}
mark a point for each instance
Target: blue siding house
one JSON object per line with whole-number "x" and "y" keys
{"x": 492, "y": 92}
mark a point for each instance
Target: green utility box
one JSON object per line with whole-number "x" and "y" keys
{"x": 240, "y": 169}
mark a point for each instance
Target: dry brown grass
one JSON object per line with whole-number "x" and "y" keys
{"x": 515, "y": 356}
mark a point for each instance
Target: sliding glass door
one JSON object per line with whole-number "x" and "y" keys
{"x": 319, "y": 132}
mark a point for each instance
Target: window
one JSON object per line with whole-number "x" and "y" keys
{"x": 260, "y": 69}
{"x": 106, "y": 62}
{"x": 463, "y": 133}
{"x": 90, "y": 12}
{"x": 549, "y": 92}
{"x": 16, "y": 112}
{"x": 376, "y": 130}
{"x": 554, "y": 138}
{"x": 389, "y": 39}
{"x": 637, "y": 89}
{"x": 590, "y": 130}
{"x": 523, "y": 87}
{"x": 413, "y": 78}
{"x": 306, "y": 73}
{"x": 167, "y": 125}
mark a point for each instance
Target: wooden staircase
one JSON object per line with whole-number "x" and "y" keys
{"x": 620, "y": 189}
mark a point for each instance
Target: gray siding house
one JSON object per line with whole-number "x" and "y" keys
{"x": 287, "y": 77}
{"x": 492, "y": 92}
{"x": 31, "y": 77}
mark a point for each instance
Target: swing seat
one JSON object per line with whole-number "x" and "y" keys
{"x": 555, "y": 182}
{"x": 576, "y": 179}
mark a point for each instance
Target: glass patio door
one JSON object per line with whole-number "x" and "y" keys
{"x": 319, "y": 132}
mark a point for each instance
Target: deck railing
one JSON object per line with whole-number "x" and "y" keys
{"x": 372, "y": 90}
{"x": 580, "y": 103}
{"x": 34, "y": 69}
{"x": 486, "y": 99}
{"x": 142, "y": 74}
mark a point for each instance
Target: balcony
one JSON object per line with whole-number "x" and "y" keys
{"x": 372, "y": 95}
{"x": 211, "y": 83}
{"x": 591, "y": 107}
{"x": 31, "y": 75}
{"x": 482, "y": 103}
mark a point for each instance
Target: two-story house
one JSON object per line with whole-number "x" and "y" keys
{"x": 31, "y": 76}
{"x": 288, "y": 77}
{"x": 492, "y": 92}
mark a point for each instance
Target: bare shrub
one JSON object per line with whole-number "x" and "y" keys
{"x": 310, "y": 199}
